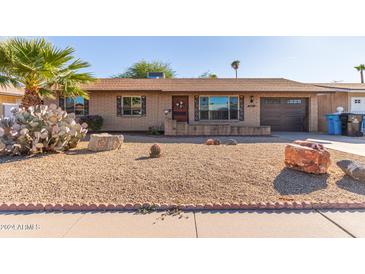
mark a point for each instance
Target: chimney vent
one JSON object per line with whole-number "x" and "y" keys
{"x": 155, "y": 75}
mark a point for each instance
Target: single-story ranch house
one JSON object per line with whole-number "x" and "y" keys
{"x": 252, "y": 106}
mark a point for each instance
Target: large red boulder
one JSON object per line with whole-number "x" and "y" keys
{"x": 307, "y": 157}
{"x": 309, "y": 144}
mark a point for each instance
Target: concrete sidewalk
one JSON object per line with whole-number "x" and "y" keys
{"x": 256, "y": 223}
{"x": 354, "y": 145}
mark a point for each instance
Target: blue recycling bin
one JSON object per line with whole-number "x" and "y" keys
{"x": 334, "y": 124}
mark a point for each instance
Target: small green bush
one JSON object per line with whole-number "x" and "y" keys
{"x": 94, "y": 122}
{"x": 154, "y": 130}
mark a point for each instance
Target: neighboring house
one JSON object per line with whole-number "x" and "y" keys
{"x": 9, "y": 96}
{"x": 350, "y": 96}
{"x": 201, "y": 106}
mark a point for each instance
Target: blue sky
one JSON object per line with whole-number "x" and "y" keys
{"x": 306, "y": 59}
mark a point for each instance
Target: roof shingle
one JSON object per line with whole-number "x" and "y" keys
{"x": 203, "y": 85}
{"x": 342, "y": 86}
{"x": 11, "y": 91}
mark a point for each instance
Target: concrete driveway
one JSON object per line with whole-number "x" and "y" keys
{"x": 308, "y": 223}
{"x": 355, "y": 145}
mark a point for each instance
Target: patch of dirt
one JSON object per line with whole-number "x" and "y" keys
{"x": 187, "y": 173}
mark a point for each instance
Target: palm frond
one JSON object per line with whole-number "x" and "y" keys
{"x": 46, "y": 92}
{"x": 39, "y": 65}
{"x": 78, "y": 64}
{"x": 6, "y": 81}
{"x": 360, "y": 67}
{"x": 73, "y": 91}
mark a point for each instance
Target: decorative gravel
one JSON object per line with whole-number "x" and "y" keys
{"x": 188, "y": 172}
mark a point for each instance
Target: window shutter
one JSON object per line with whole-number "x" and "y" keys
{"x": 241, "y": 110}
{"x": 144, "y": 105}
{"x": 119, "y": 106}
{"x": 61, "y": 102}
{"x": 196, "y": 108}
{"x": 86, "y": 107}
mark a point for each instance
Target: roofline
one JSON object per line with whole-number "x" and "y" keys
{"x": 200, "y": 91}
{"x": 197, "y": 78}
{"x": 10, "y": 94}
{"x": 349, "y": 89}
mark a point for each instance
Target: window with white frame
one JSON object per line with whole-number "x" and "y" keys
{"x": 132, "y": 105}
{"x": 294, "y": 101}
{"x": 218, "y": 107}
{"x": 76, "y": 105}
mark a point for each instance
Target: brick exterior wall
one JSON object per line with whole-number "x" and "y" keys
{"x": 104, "y": 103}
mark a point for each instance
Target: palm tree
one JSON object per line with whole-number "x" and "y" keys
{"x": 41, "y": 69}
{"x": 361, "y": 68}
{"x": 235, "y": 65}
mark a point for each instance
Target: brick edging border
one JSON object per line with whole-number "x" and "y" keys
{"x": 184, "y": 207}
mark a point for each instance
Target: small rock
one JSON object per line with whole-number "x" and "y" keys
{"x": 231, "y": 142}
{"x": 353, "y": 169}
{"x": 217, "y": 142}
{"x": 155, "y": 151}
{"x": 104, "y": 142}
{"x": 2, "y": 146}
{"x": 209, "y": 142}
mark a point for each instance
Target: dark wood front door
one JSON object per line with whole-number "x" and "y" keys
{"x": 284, "y": 114}
{"x": 180, "y": 108}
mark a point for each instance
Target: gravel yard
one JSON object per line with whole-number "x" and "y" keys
{"x": 188, "y": 172}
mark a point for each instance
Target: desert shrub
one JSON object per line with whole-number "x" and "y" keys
{"x": 39, "y": 129}
{"x": 155, "y": 130}
{"x": 94, "y": 122}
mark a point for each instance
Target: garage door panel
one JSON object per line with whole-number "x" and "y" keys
{"x": 284, "y": 114}
{"x": 358, "y": 104}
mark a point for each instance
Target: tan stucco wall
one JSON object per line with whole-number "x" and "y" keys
{"x": 9, "y": 99}
{"x": 104, "y": 104}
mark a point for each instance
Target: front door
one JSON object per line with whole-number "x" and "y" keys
{"x": 180, "y": 108}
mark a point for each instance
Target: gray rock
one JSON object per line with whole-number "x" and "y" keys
{"x": 231, "y": 142}
{"x": 353, "y": 169}
{"x": 217, "y": 142}
{"x": 104, "y": 142}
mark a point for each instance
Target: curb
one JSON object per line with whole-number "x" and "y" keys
{"x": 185, "y": 207}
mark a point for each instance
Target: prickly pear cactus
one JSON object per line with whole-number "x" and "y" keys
{"x": 155, "y": 151}
{"x": 39, "y": 129}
